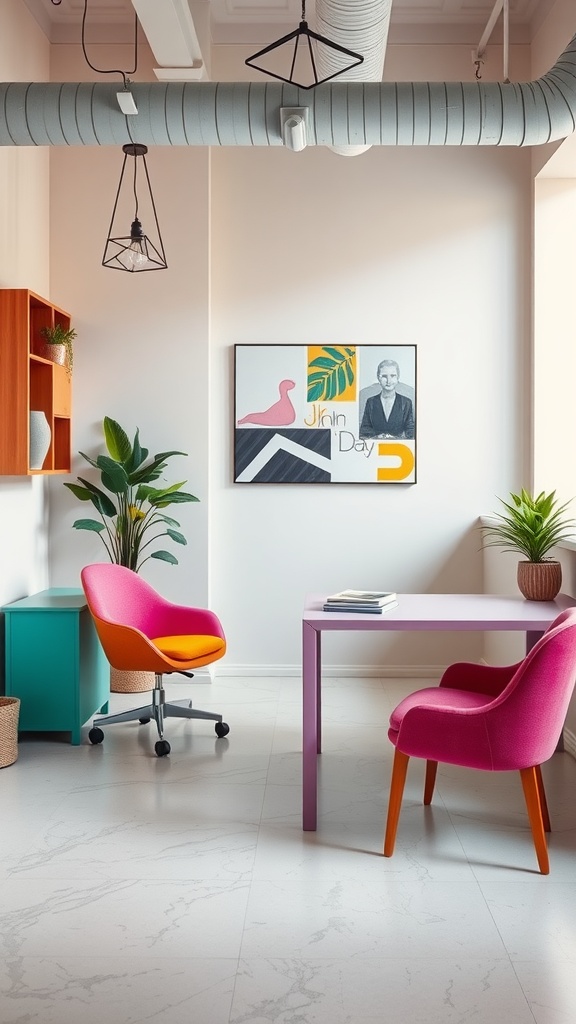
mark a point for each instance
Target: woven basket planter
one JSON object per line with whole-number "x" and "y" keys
{"x": 9, "y": 713}
{"x": 539, "y": 581}
{"x": 130, "y": 682}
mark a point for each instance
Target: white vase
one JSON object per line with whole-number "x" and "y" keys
{"x": 40, "y": 438}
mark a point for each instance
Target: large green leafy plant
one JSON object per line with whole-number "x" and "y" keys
{"x": 531, "y": 525}
{"x": 130, "y": 508}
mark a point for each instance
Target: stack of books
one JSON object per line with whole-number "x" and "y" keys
{"x": 372, "y": 601}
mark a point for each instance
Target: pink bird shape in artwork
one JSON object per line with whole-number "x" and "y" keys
{"x": 281, "y": 414}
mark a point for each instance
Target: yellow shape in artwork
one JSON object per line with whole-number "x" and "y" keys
{"x": 406, "y": 463}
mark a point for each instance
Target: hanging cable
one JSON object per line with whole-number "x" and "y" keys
{"x": 135, "y": 192}
{"x": 112, "y": 71}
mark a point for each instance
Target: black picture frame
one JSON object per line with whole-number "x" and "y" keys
{"x": 325, "y": 414}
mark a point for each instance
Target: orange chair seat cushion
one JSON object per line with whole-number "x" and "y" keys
{"x": 187, "y": 648}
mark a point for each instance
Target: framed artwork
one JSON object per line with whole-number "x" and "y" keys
{"x": 325, "y": 414}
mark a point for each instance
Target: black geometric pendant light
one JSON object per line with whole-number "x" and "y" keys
{"x": 134, "y": 252}
{"x": 294, "y": 58}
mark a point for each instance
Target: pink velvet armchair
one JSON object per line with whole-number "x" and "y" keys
{"x": 495, "y": 719}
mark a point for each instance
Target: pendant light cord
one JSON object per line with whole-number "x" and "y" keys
{"x": 112, "y": 71}
{"x": 134, "y": 188}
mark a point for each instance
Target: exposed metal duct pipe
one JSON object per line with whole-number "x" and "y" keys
{"x": 363, "y": 26}
{"x": 340, "y": 113}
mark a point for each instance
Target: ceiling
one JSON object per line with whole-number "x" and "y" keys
{"x": 260, "y": 21}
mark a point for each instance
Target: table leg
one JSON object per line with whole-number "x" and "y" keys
{"x": 532, "y": 637}
{"x": 310, "y": 724}
{"x": 318, "y": 691}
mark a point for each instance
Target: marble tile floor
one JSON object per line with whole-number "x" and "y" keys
{"x": 138, "y": 890}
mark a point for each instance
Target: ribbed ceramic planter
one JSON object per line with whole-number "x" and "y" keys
{"x": 40, "y": 437}
{"x": 539, "y": 581}
{"x": 130, "y": 682}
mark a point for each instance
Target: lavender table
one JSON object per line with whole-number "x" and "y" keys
{"x": 414, "y": 612}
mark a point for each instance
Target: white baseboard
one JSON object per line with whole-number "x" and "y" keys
{"x": 342, "y": 671}
{"x": 569, "y": 742}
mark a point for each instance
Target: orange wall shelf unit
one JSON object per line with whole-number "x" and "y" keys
{"x": 29, "y": 381}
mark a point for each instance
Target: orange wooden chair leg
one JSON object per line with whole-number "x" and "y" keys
{"x": 431, "y": 769}
{"x": 529, "y": 778}
{"x": 542, "y": 795}
{"x": 399, "y": 769}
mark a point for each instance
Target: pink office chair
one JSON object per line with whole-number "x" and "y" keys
{"x": 141, "y": 631}
{"x": 496, "y": 719}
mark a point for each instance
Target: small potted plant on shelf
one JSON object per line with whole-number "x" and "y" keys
{"x": 59, "y": 340}
{"x": 532, "y": 525}
{"x": 131, "y": 509}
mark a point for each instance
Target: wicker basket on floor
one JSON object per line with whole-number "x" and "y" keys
{"x": 9, "y": 713}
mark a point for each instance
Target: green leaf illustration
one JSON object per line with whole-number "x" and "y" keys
{"x": 315, "y": 391}
{"x": 332, "y": 373}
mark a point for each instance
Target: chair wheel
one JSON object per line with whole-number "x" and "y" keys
{"x": 95, "y": 735}
{"x": 221, "y": 729}
{"x": 162, "y": 748}
{"x": 143, "y": 721}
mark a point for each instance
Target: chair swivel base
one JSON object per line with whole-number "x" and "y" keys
{"x": 158, "y": 710}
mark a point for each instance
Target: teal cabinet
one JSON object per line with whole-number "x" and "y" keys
{"x": 54, "y": 662}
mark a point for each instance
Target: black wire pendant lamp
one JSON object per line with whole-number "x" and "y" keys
{"x": 303, "y": 58}
{"x": 134, "y": 252}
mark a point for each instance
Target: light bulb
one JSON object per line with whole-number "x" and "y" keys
{"x": 135, "y": 254}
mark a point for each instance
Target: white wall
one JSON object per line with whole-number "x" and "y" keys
{"x": 555, "y": 30}
{"x": 424, "y": 246}
{"x": 419, "y": 246}
{"x": 554, "y": 318}
{"x": 141, "y": 355}
{"x": 554, "y": 330}
{"x": 24, "y": 235}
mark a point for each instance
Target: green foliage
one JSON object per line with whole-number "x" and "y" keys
{"x": 333, "y": 373}
{"x": 60, "y": 335}
{"x": 133, "y": 508}
{"x": 530, "y": 525}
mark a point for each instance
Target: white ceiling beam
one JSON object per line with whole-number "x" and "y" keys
{"x": 498, "y": 6}
{"x": 169, "y": 29}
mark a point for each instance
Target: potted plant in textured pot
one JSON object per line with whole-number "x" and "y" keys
{"x": 58, "y": 340}
{"x": 532, "y": 526}
{"x": 131, "y": 509}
